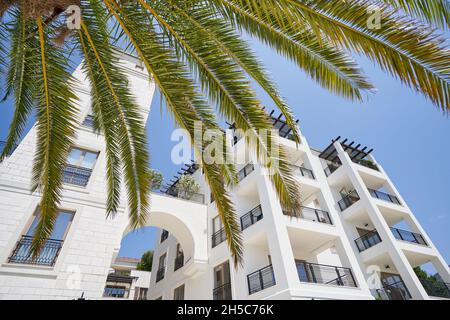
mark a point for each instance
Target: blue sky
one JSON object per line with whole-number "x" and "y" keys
{"x": 407, "y": 132}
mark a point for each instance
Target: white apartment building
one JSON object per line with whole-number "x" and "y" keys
{"x": 344, "y": 243}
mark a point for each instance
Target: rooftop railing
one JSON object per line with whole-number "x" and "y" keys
{"x": 260, "y": 280}
{"x": 244, "y": 172}
{"x": 47, "y": 257}
{"x": 409, "y": 236}
{"x": 348, "y": 200}
{"x": 384, "y": 196}
{"x": 218, "y": 237}
{"x": 77, "y": 176}
{"x": 325, "y": 274}
{"x": 222, "y": 292}
{"x": 368, "y": 240}
{"x": 436, "y": 288}
{"x": 394, "y": 291}
{"x": 251, "y": 217}
{"x": 311, "y": 214}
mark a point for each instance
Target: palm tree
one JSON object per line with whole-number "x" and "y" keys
{"x": 195, "y": 53}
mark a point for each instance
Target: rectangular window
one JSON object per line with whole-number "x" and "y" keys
{"x": 164, "y": 235}
{"x": 115, "y": 292}
{"x": 52, "y": 245}
{"x": 161, "y": 267}
{"x": 178, "y": 293}
{"x": 179, "y": 258}
{"x": 217, "y": 224}
{"x": 88, "y": 122}
{"x": 222, "y": 282}
{"x": 79, "y": 167}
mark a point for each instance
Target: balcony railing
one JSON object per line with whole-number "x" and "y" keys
{"x": 384, "y": 196}
{"x": 77, "y": 176}
{"x": 312, "y": 214}
{"x": 218, "y": 237}
{"x": 47, "y": 256}
{"x": 394, "y": 291}
{"x": 368, "y": 240}
{"x": 160, "y": 274}
{"x": 222, "y": 292}
{"x": 325, "y": 274}
{"x": 251, "y": 217}
{"x": 179, "y": 262}
{"x": 260, "y": 280}
{"x": 367, "y": 163}
{"x": 244, "y": 172}
{"x": 307, "y": 173}
{"x": 408, "y": 236}
{"x": 331, "y": 167}
{"x": 436, "y": 288}
{"x": 348, "y": 200}
{"x": 120, "y": 278}
{"x": 116, "y": 292}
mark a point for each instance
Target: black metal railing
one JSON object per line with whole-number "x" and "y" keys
{"x": 348, "y": 200}
{"x": 179, "y": 262}
{"x": 218, "y": 237}
{"x": 367, "y": 163}
{"x": 47, "y": 256}
{"x": 120, "y": 278}
{"x": 367, "y": 240}
{"x": 77, "y": 176}
{"x": 244, "y": 172}
{"x": 408, "y": 236}
{"x": 311, "y": 214}
{"x": 436, "y": 288}
{"x": 116, "y": 292}
{"x": 222, "y": 292}
{"x": 384, "y": 196}
{"x": 331, "y": 167}
{"x": 305, "y": 172}
{"x": 160, "y": 273}
{"x": 325, "y": 274}
{"x": 261, "y": 279}
{"x": 88, "y": 122}
{"x": 251, "y": 217}
{"x": 394, "y": 291}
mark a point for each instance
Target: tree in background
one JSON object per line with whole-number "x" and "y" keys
{"x": 156, "y": 178}
{"x": 146, "y": 261}
{"x": 187, "y": 186}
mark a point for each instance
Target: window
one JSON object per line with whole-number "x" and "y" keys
{"x": 178, "y": 293}
{"x": 52, "y": 245}
{"x": 161, "y": 267}
{"x": 164, "y": 235}
{"x": 79, "y": 167}
{"x": 179, "y": 258}
{"x": 217, "y": 224}
{"x": 88, "y": 121}
{"x": 222, "y": 282}
{"x": 140, "y": 293}
{"x": 218, "y": 232}
{"x": 115, "y": 292}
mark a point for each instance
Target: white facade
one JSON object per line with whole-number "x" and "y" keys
{"x": 310, "y": 257}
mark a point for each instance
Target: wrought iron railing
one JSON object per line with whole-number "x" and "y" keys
{"x": 222, "y": 292}
{"x": 160, "y": 273}
{"x": 251, "y": 217}
{"x": 436, "y": 288}
{"x": 179, "y": 261}
{"x": 348, "y": 200}
{"x": 325, "y": 274}
{"x": 408, "y": 236}
{"x": 218, "y": 237}
{"x": 367, "y": 240}
{"x": 261, "y": 279}
{"x": 394, "y": 291}
{"x": 305, "y": 172}
{"x": 311, "y": 214}
{"x": 384, "y": 196}
{"x": 77, "y": 176}
{"x": 47, "y": 257}
{"x": 244, "y": 172}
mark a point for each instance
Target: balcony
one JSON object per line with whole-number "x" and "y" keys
{"x": 348, "y": 200}
{"x": 120, "y": 278}
{"x": 160, "y": 274}
{"x": 312, "y": 214}
{"x": 218, "y": 237}
{"x": 77, "y": 176}
{"x": 325, "y": 274}
{"x": 179, "y": 262}
{"x": 368, "y": 240}
{"x": 244, "y": 172}
{"x": 394, "y": 291}
{"x": 260, "y": 280}
{"x": 331, "y": 167}
{"x": 47, "y": 256}
{"x": 436, "y": 288}
{"x": 408, "y": 236}
{"x": 384, "y": 196}
{"x": 222, "y": 292}
{"x": 251, "y": 217}
{"x": 304, "y": 172}
{"x": 366, "y": 163}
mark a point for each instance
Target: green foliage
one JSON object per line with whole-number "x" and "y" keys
{"x": 187, "y": 186}
{"x": 146, "y": 261}
{"x": 156, "y": 178}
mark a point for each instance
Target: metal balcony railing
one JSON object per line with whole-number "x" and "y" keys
{"x": 325, "y": 274}
{"x": 368, "y": 240}
{"x": 348, "y": 200}
{"x": 394, "y": 291}
{"x": 409, "y": 236}
{"x": 384, "y": 196}
{"x": 331, "y": 167}
{"x": 307, "y": 173}
{"x": 77, "y": 176}
{"x": 218, "y": 237}
{"x": 436, "y": 288}
{"x": 222, "y": 292}
{"x": 261, "y": 279}
{"x": 251, "y": 217}
{"x": 160, "y": 274}
{"x": 311, "y": 214}
{"x": 244, "y": 172}
{"x": 47, "y": 256}
{"x": 179, "y": 262}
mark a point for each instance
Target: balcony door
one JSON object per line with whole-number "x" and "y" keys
{"x": 222, "y": 282}
{"x": 79, "y": 167}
